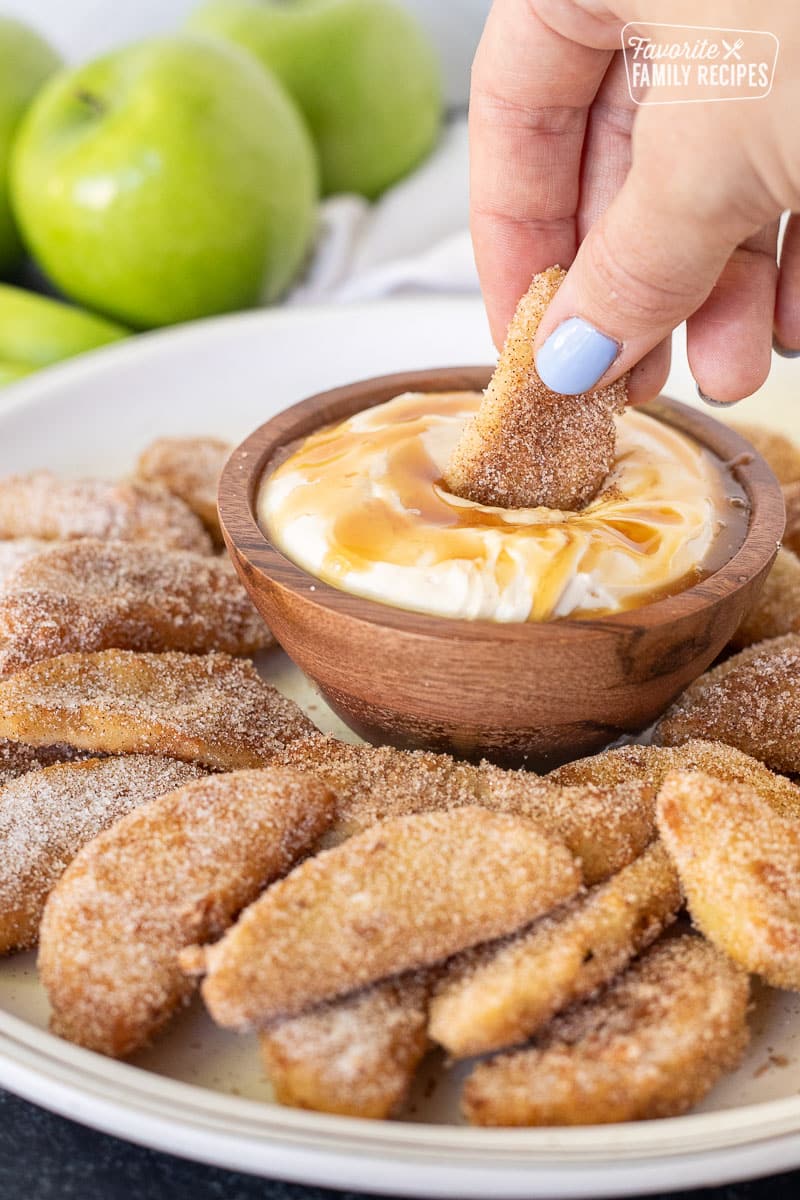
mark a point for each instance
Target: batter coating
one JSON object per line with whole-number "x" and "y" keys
{"x": 739, "y": 864}
{"x": 606, "y": 827}
{"x": 355, "y": 1056}
{"x": 528, "y": 446}
{"x": 652, "y": 1045}
{"x": 48, "y": 815}
{"x": 171, "y": 873}
{"x": 41, "y": 505}
{"x": 92, "y": 595}
{"x": 208, "y": 708}
{"x": 777, "y": 609}
{"x": 502, "y": 993}
{"x": 751, "y": 701}
{"x": 404, "y": 894}
{"x": 652, "y": 764}
{"x": 189, "y": 468}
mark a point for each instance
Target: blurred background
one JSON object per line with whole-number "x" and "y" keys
{"x": 174, "y": 159}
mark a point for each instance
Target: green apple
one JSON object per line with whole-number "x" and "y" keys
{"x": 36, "y": 331}
{"x": 362, "y": 72}
{"x": 170, "y": 180}
{"x": 26, "y": 60}
{"x": 11, "y": 372}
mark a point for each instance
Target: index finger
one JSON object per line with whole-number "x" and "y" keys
{"x": 531, "y": 91}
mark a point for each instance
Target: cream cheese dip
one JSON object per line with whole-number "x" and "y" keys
{"x": 361, "y": 506}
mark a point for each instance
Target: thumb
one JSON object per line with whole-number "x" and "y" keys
{"x": 647, "y": 264}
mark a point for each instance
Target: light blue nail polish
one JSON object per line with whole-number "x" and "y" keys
{"x": 574, "y": 357}
{"x": 784, "y": 351}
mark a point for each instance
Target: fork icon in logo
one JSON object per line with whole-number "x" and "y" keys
{"x": 733, "y": 50}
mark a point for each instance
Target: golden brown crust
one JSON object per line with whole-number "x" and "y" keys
{"x": 502, "y": 993}
{"x": 605, "y": 827}
{"x": 18, "y": 758}
{"x": 405, "y": 894}
{"x": 739, "y": 864}
{"x": 791, "y": 500}
{"x": 652, "y": 1045}
{"x": 92, "y": 595}
{"x": 205, "y": 708}
{"x": 528, "y": 446}
{"x": 751, "y": 701}
{"x": 171, "y": 873}
{"x": 189, "y": 468}
{"x": 355, "y": 1056}
{"x": 652, "y": 764}
{"x": 777, "y": 609}
{"x": 48, "y": 815}
{"x": 41, "y": 505}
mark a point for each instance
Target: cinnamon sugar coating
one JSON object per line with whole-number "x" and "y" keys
{"x": 791, "y": 500}
{"x": 17, "y": 551}
{"x": 652, "y": 764}
{"x": 41, "y": 505}
{"x": 782, "y": 454}
{"x": 355, "y": 1056}
{"x": 751, "y": 701}
{"x": 606, "y": 827}
{"x": 93, "y": 595}
{"x": 48, "y": 815}
{"x": 174, "y": 872}
{"x": 502, "y": 993}
{"x": 528, "y": 446}
{"x": 189, "y": 468}
{"x": 208, "y": 708}
{"x": 739, "y": 864}
{"x": 777, "y": 609}
{"x": 405, "y": 894}
{"x": 652, "y": 1045}
{"x": 18, "y": 758}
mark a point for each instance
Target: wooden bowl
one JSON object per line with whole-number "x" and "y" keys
{"x": 533, "y": 693}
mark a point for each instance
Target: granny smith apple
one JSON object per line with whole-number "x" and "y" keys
{"x": 26, "y": 60}
{"x": 36, "y": 331}
{"x": 169, "y": 180}
{"x": 362, "y": 71}
{"x": 11, "y": 372}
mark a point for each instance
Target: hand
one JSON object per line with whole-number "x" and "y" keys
{"x": 666, "y": 213}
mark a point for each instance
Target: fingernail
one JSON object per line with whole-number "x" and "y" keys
{"x": 574, "y": 357}
{"x": 710, "y": 401}
{"x": 783, "y": 350}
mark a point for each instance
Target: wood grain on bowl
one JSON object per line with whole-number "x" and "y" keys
{"x": 533, "y": 693}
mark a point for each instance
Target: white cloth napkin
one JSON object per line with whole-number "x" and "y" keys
{"x": 414, "y": 239}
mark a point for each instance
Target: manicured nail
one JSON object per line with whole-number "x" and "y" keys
{"x": 574, "y": 357}
{"x": 710, "y": 401}
{"x": 783, "y": 350}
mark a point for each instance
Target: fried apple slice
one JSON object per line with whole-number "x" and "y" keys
{"x": 652, "y": 764}
{"x": 791, "y": 500}
{"x": 781, "y": 453}
{"x": 18, "y": 758}
{"x": 527, "y": 446}
{"x": 605, "y": 827}
{"x": 47, "y": 816}
{"x": 652, "y": 1045}
{"x": 41, "y": 505}
{"x": 403, "y": 895}
{"x": 777, "y": 609}
{"x": 173, "y": 872}
{"x": 502, "y": 993}
{"x": 356, "y": 1056}
{"x": 206, "y": 708}
{"x": 751, "y": 701}
{"x": 189, "y": 468}
{"x": 739, "y": 864}
{"x": 92, "y": 595}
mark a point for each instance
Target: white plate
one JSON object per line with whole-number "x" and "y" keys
{"x": 199, "y": 1092}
